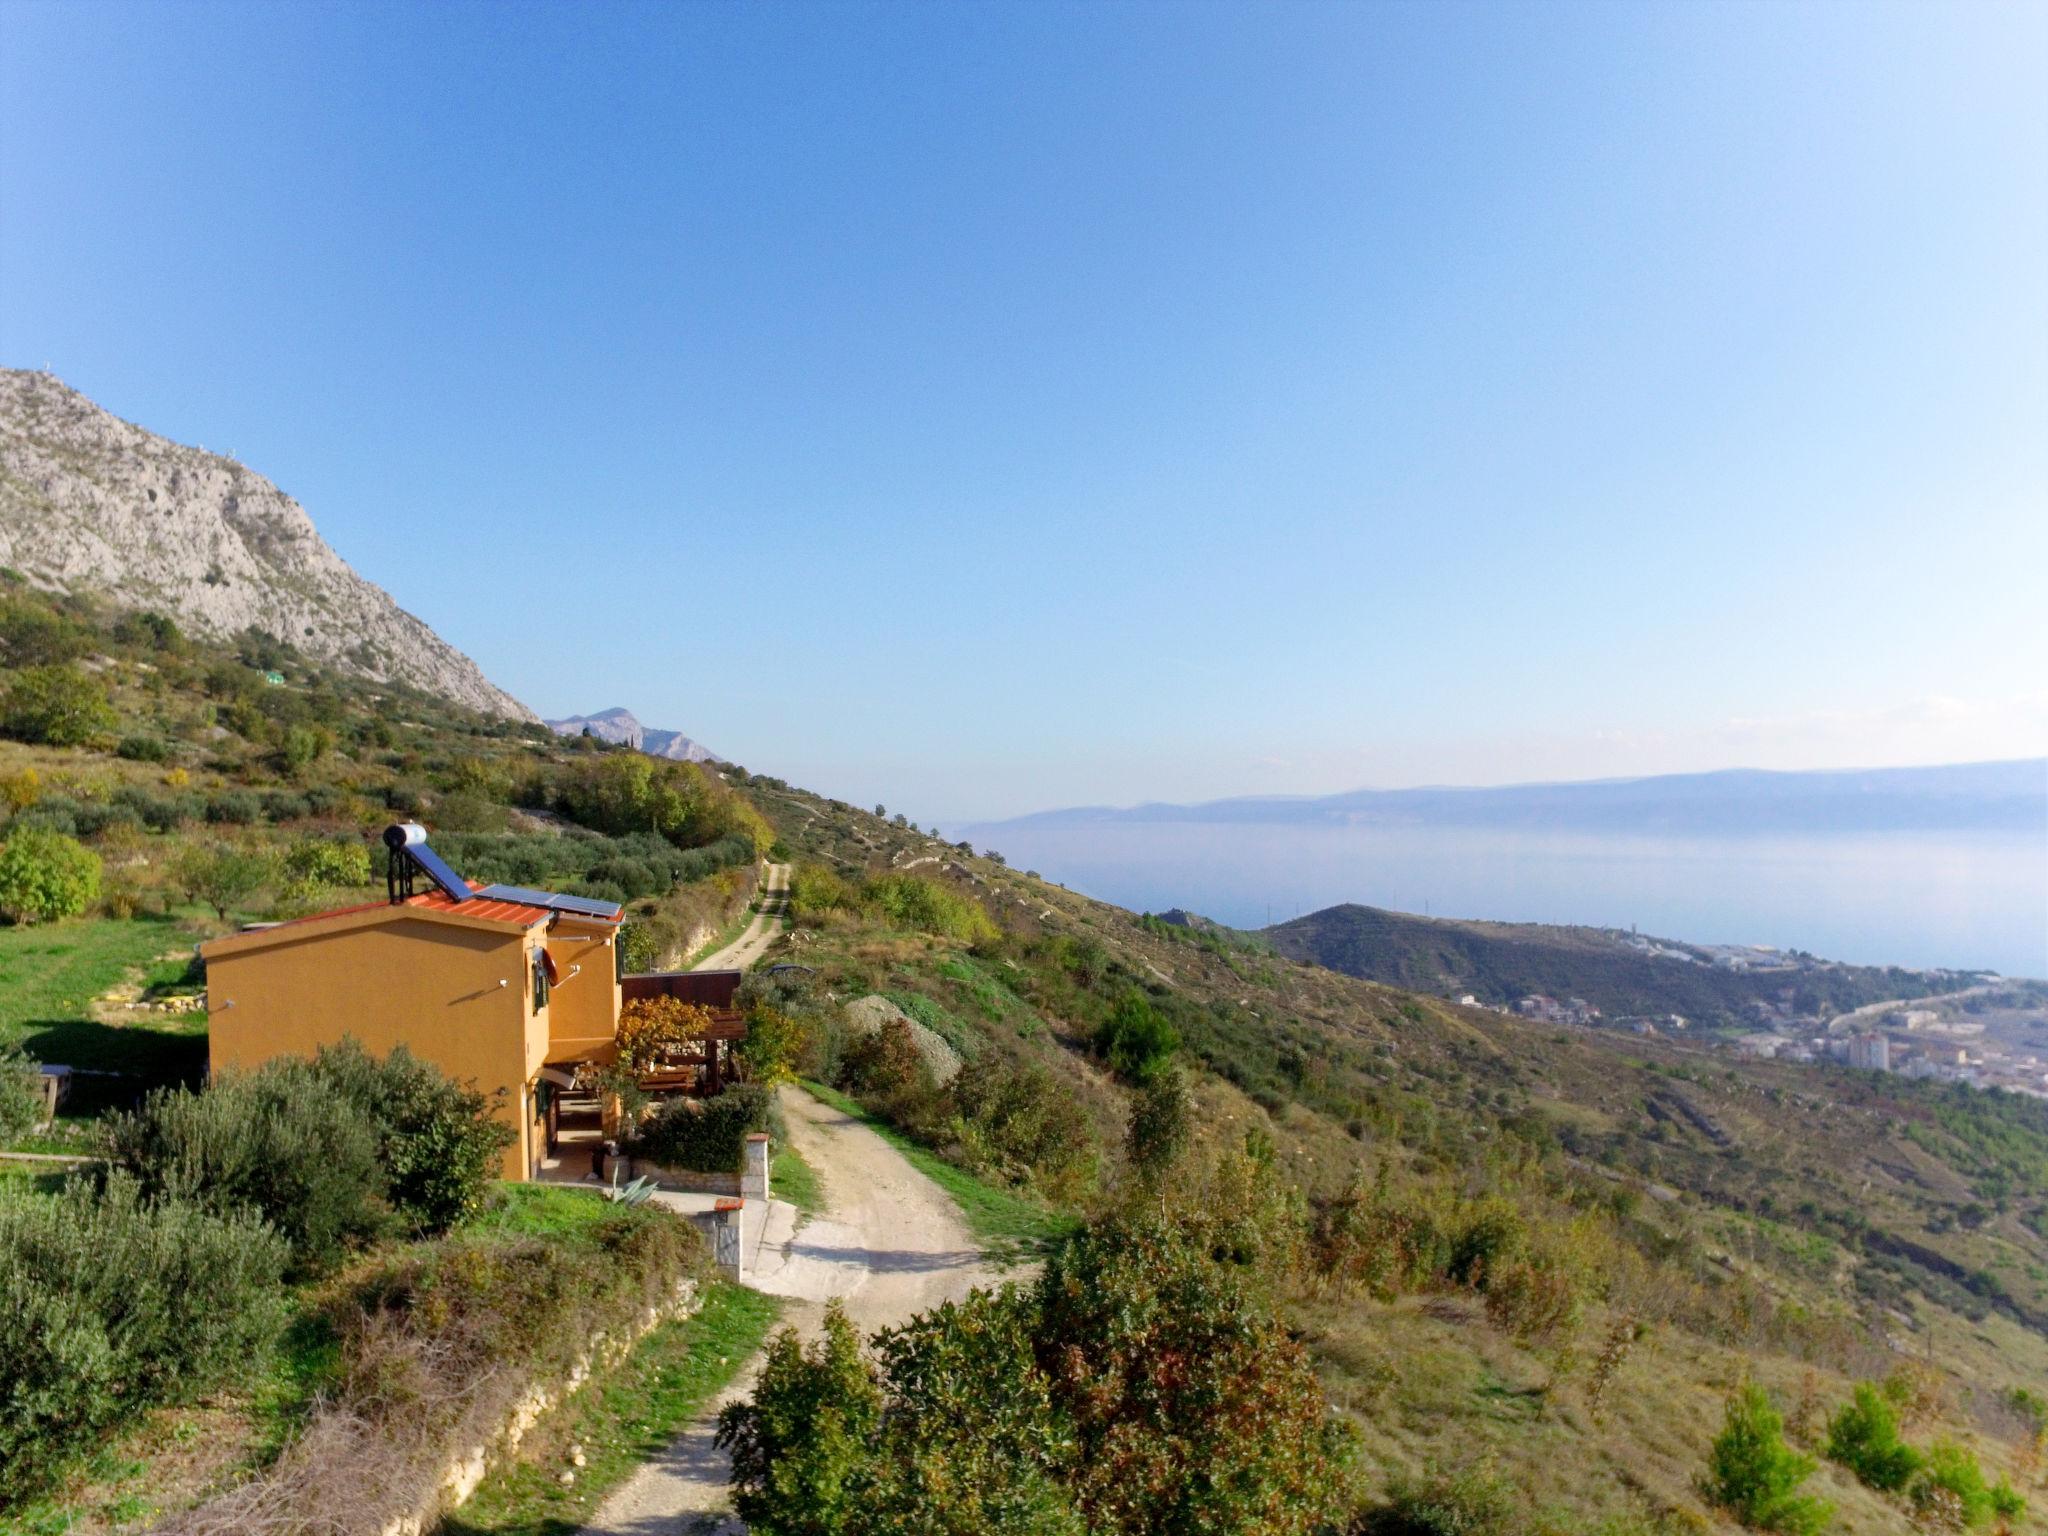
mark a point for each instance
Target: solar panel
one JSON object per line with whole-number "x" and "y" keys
{"x": 554, "y": 901}
{"x": 439, "y": 872}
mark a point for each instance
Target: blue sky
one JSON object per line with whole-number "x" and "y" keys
{"x": 981, "y": 408}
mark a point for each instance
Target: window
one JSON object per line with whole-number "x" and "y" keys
{"x": 540, "y": 983}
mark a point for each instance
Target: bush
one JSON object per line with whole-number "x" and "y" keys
{"x": 144, "y": 749}
{"x": 234, "y": 807}
{"x": 1161, "y": 1125}
{"x": 283, "y": 1142}
{"x": 1136, "y": 1039}
{"x": 800, "y": 1446}
{"x": 21, "y": 1094}
{"x": 56, "y": 706}
{"x": 1018, "y": 1122}
{"x": 437, "y": 1140}
{"x": 885, "y": 1070}
{"x": 1470, "y": 1502}
{"x": 1950, "y": 1490}
{"x": 1864, "y": 1437}
{"x": 323, "y": 861}
{"x": 1138, "y": 1386}
{"x": 814, "y": 889}
{"x": 911, "y": 901}
{"x": 111, "y": 1304}
{"x": 704, "y": 1135}
{"x": 1755, "y": 1476}
{"x": 45, "y": 875}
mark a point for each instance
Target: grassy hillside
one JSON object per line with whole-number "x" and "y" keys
{"x": 1500, "y": 962}
{"x": 1707, "y": 1220}
{"x": 1523, "y": 1256}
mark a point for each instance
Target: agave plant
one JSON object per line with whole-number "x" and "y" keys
{"x": 635, "y": 1193}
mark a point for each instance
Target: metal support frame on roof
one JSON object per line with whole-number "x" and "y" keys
{"x": 410, "y": 857}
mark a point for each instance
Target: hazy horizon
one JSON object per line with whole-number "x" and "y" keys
{"x": 997, "y": 408}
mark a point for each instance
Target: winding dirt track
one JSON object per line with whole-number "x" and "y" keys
{"x": 890, "y": 1245}
{"x": 764, "y": 930}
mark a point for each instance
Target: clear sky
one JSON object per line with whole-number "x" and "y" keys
{"x": 979, "y": 408}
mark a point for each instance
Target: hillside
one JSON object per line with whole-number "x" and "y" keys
{"x": 89, "y": 502}
{"x": 1621, "y": 974}
{"x": 1703, "y": 1218}
{"x": 1515, "y": 1252}
{"x": 622, "y": 728}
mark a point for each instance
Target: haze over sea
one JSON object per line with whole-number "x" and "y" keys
{"x": 1962, "y": 899}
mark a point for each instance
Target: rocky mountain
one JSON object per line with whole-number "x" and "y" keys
{"x": 88, "y": 501}
{"x": 622, "y": 726}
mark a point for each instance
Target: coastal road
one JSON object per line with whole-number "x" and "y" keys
{"x": 889, "y": 1245}
{"x": 767, "y": 926}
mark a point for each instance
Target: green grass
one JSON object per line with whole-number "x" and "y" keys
{"x": 628, "y": 1415}
{"x": 49, "y": 976}
{"x": 540, "y": 1210}
{"x": 1008, "y": 1226}
{"x": 791, "y": 1178}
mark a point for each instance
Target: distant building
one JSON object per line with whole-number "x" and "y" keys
{"x": 1764, "y": 1045}
{"x": 1870, "y": 1053}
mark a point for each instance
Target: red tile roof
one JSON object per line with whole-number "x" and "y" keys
{"x": 440, "y": 901}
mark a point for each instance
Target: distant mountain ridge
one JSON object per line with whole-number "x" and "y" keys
{"x": 622, "y": 727}
{"x": 1621, "y": 974}
{"x": 91, "y": 502}
{"x": 2005, "y": 796}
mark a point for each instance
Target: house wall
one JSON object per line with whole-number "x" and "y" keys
{"x": 583, "y": 1008}
{"x": 456, "y": 996}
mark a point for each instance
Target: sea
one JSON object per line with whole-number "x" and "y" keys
{"x": 1960, "y": 900}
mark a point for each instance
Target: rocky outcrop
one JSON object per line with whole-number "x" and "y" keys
{"x": 88, "y": 501}
{"x": 622, "y": 727}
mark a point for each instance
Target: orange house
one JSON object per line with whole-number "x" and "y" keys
{"x": 493, "y": 986}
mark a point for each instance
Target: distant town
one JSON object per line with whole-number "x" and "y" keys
{"x": 1991, "y": 1032}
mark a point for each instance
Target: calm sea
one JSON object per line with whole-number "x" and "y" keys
{"x": 1963, "y": 900}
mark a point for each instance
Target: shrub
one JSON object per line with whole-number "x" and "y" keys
{"x": 779, "y": 1045}
{"x": 1755, "y": 1476}
{"x": 1136, "y": 1039}
{"x": 21, "y": 1094}
{"x": 1138, "y": 1386}
{"x": 144, "y": 749}
{"x": 911, "y": 901}
{"x": 886, "y": 1071}
{"x": 1950, "y": 1489}
{"x": 324, "y": 861}
{"x": 1470, "y": 1502}
{"x": 55, "y": 706}
{"x": 704, "y": 1135}
{"x": 1864, "y": 1437}
{"x": 814, "y": 889}
{"x": 45, "y": 875}
{"x": 799, "y": 1447}
{"x": 1161, "y": 1124}
{"x": 234, "y": 807}
{"x": 437, "y": 1140}
{"x": 109, "y": 1304}
{"x": 283, "y": 1142}
{"x": 1019, "y": 1122}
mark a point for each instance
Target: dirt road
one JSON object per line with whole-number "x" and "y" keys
{"x": 764, "y": 930}
{"x": 890, "y": 1245}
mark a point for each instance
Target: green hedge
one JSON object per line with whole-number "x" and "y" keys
{"x": 704, "y": 1135}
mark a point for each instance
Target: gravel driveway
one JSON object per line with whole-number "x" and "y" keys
{"x": 890, "y": 1245}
